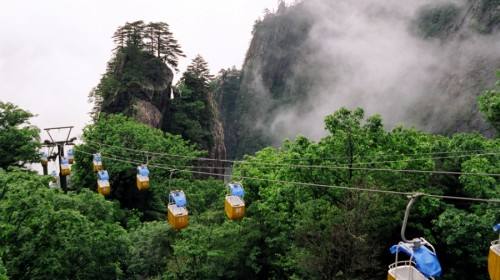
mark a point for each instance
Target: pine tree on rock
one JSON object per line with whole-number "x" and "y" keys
{"x": 191, "y": 111}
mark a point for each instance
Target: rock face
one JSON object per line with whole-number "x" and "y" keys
{"x": 218, "y": 150}
{"x": 417, "y": 63}
{"x": 144, "y": 87}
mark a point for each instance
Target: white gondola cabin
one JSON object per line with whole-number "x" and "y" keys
{"x": 103, "y": 185}
{"x": 142, "y": 177}
{"x": 234, "y": 205}
{"x": 494, "y": 257}
{"x": 178, "y": 216}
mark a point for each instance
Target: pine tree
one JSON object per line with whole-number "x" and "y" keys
{"x": 199, "y": 70}
{"x": 191, "y": 111}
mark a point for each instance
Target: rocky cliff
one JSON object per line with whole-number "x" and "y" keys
{"x": 143, "y": 88}
{"x": 419, "y": 63}
{"x": 139, "y": 84}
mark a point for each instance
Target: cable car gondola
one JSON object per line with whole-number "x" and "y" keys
{"x": 65, "y": 169}
{"x": 44, "y": 158}
{"x": 423, "y": 263}
{"x": 142, "y": 177}
{"x": 53, "y": 174}
{"x": 177, "y": 212}
{"x": 494, "y": 257}
{"x": 103, "y": 186}
{"x": 234, "y": 205}
{"x": 97, "y": 162}
{"x": 71, "y": 156}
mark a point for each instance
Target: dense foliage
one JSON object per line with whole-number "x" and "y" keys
{"x": 191, "y": 114}
{"x": 338, "y": 234}
{"x": 154, "y": 37}
{"x": 489, "y": 103}
{"x": 19, "y": 141}
{"x": 290, "y": 231}
{"x": 48, "y": 234}
{"x": 110, "y": 133}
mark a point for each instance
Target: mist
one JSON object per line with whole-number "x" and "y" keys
{"x": 367, "y": 54}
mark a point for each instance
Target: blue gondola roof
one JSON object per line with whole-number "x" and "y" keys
{"x": 236, "y": 189}
{"x": 426, "y": 261}
{"x": 179, "y": 198}
{"x": 143, "y": 170}
{"x": 97, "y": 157}
{"x": 496, "y": 227}
{"x": 103, "y": 175}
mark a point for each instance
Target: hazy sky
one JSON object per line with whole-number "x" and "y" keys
{"x": 53, "y": 52}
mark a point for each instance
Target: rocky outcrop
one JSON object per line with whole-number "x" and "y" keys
{"x": 143, "y": 91}
{"x": 144, "y": 84}
{"x": 218, "y": 150}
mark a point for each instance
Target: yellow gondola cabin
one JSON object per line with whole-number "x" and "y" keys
{"x": 103, "y": 185}
{"x": 494, "y": 257}
{"x": 71, "y": 156}
{"x": 142, "y": 177}
{"x": 65, "y": 169}
{"x": 234, "y": 205}
{"x": 44, "y": 158}
{"x": 97, "y": 162}
{"x": 178, "y": 216}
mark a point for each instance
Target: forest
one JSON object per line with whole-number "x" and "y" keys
{"x": 314, "y": 209}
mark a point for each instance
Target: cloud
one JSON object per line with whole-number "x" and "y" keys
{"x": 365, "y": 54}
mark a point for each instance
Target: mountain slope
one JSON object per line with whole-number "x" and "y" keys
{"x": 421, "y": 64}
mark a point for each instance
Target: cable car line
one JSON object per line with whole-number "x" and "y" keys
{"x": 354, "y": 163}
{"x": 345, "y": 167}
{"x": 463, "y": 154}
{"x": 472, "y": 199}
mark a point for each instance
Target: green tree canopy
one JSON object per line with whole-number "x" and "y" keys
{"x": 19, "y": 140}
{"x": 3, "y": 272}
{"x": 489, "y": 104}
{"x": 124, "y": 138}
{"x": 190, "y": 108}
{"x": 154, "y": 37}
{"x": 324, "y": 233}
{"x": 47, "y": 234}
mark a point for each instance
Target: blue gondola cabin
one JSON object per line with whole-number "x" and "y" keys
{"x": 423, "y": 263}
{"x": 234, "y": 205}
{"x": 103, "y": 185}
{"x": 97, "y": 162}
{"x": 177, "y": 213}
{"x": 142, "y": 177}
{"x": 65, "y": 168}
